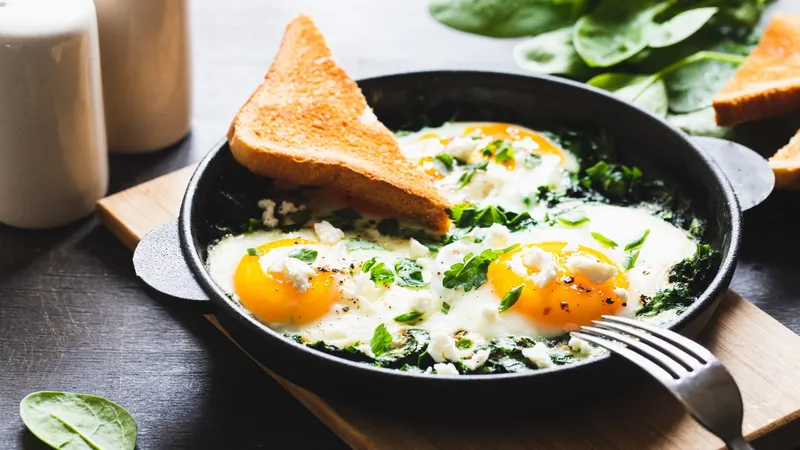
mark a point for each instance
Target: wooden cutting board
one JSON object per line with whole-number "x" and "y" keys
{"x": 762, "y": 354}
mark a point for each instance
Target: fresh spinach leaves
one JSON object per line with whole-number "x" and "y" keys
{"x": 381, "y": 340}
{"x": 63, "y": 419}
{"x": 307, "y": 255}
{"x": 465, "y": 215}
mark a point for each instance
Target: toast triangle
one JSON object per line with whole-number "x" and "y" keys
{"x": 768, "y": 83}
{"x": 308, "y": 123}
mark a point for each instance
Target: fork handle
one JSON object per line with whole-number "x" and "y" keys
{"x": 739, "y": 443}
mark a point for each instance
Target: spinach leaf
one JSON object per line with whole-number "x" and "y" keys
{"x": 409, "y": 317}
{"x": 355, "y": 244}
{"x": 680, "y": 26}
{"x": 551, "y": 53}
{"x": 693, "y": 81}
{"x": 307, "y": 255}
{"x": 413, "y": 343}
{"x": 464, "y": 343}
{"x": 677, "y": 296}
{"x": 471, "y": 272}
{"x": 409, "y": 273}
{"x": 615, "y": 181}
{"x": 344, "y": 219}
{"x": 67, "y": 420}
{"x": 252, "y": 252}
{"x": 701, "y": 123}
{"x": 640, "y": 90}
{"x": 506, "y": 18}
{"x": 389, "y": 227}
{"x": 380, "y": 274}
{"x": 689, "y": 270}
{"x": 615, "y": 30}
{"x": 510, "y": 298}
{"x": 381, "y": 340}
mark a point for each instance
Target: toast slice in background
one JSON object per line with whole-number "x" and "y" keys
{"x": 786, "y": 164}
{"x": 308, "y": 123}
{"x": 768, "y": 83}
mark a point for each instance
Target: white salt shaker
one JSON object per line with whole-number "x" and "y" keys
{"x": 145, "y": 48}
{"x": 53, "y": 157}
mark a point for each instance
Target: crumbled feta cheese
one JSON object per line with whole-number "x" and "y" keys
{"x": 445, "y": 369}
{"x": 497, "y": 235}
{"x": 592, "y": 269}
{"x": 525, "y": 145}
{"x": 579, "y": 346}
{"x": 422, "y": 303}
{"x": 289, "y": 207}
{"x": 294, "y": 271}
{"x": 461, "y": 147}
{"x": 364, "y": 287}
{"x": 621, "y": 293}
{"x": 328, "y": 233}
{"x": 268, "y": 217}
{"x": 415, "y": 249}
{"x": 478, "y": 359}
{"x": 442, "y": 347}
{"x": 538, "y": 355}
{"x": 542, "y": 264}
{"x": 570, "y": 247}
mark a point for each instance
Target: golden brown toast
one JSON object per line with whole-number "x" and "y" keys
{"x": 768, "y": 83}
{"x": 308, "y": 123}
{"x": 786, "y": 164}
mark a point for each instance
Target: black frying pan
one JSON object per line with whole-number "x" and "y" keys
{"x": 171, "y": 258}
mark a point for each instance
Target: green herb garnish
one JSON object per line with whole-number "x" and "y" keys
{"x": 604, "y": 240}
{"x": 307, "y": 255}
{"x": 630, "y": 259}
{"x": 464, "y": 343}
{"x": 470, "y": 170}
{"x": 504, "y": 153}
{"x": 409, "y": 273}
{"x": 252, "y": 252}
{"x": 355, "y": 244}
{"x": 408, "y": 317}
{"x": 510, "y": 298}
{"x": 443, "y": 163}
{"x": 381, "y": 340}
{"x": 445, "y": 308}
{"x": 572, "y": 218}
{"x": 471, "y": 272}
{"x": 636, "y": 243}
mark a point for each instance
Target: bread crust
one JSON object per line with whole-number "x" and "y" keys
{"x": 785, "y": 164}
{"x": 308, "y": 123}
{"x": 768, "y": 82}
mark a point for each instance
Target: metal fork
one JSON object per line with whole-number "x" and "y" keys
{"x": 690, "y": 372}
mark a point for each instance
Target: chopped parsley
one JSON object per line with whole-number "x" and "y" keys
{"x": 469, "y": 172}
{"x": 409, "y": 273}
{"x": 252, "y": 252}
{"x": 471, "y": 272}
{"x": 464, "y": 343}
{"x": 464, "y": 215}
{"x": 443, "y": 163}
{"x": 378, "y": 272}
{"x": 307, "y": 255}
{"x": 510, "y": 299}
{"x": 381, "y": 340}
{"x": 445, "y": 308}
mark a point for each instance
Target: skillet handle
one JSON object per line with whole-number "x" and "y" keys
{"x": 158, "y": 261}
{"x": 748, "y": 172}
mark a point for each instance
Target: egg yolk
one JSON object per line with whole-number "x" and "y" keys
{"x": 513, "y": 133}
{"x": 273, "y": 299}
{"x": 569, "y": 299}
{"x": 427, "y": 166}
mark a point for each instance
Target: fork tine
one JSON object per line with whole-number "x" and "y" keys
{"x": 648, "y": 366}
{"x": 676, "y": 339}
{"x": 688, "y": 361}
{"x": 651, "y": 353}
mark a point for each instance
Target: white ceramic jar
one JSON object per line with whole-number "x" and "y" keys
{"x": 53, "y": 157}
{"x": 145, "y": 48}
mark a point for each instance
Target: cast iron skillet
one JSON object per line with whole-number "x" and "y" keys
{"x": 171, "y": 259}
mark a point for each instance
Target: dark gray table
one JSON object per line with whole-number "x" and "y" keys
{"x": 73, "y": 317}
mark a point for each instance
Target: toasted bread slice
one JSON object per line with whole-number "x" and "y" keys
{"x": 308, "y": 123}
{"x": 768, "y": 83}
{"x": 786, "y": 164}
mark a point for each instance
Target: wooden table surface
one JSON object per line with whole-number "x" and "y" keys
{"x": 73, "y": 316}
